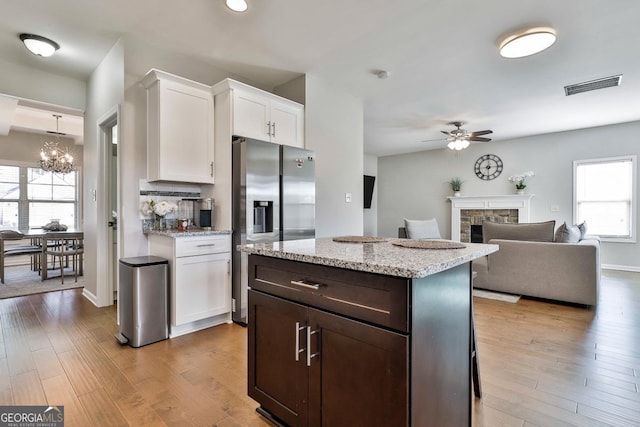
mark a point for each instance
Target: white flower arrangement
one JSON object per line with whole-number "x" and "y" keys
{"x": 518, "y": 180}
{"x": 151, "y": 207}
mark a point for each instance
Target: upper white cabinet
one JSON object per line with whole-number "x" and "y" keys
{"x": 180, "y": 129}
{"x": 262, "y": 115}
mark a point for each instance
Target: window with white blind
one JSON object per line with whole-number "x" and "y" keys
{"x": 605, "y": 197}
{"x": 31, "y": 198}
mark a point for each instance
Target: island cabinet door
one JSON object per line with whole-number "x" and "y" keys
{"x": 358, "y": 374}
{"x": 278, "y": 374}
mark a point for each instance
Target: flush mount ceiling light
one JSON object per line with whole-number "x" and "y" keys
{"x": 527, "y": 42}
{"x": 237, "y": 5}
{"x": 38, "y": 45}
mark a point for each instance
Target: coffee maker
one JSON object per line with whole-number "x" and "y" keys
{"x": 203, "y": 214}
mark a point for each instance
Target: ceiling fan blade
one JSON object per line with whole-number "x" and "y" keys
{"x": 446, "y": 133}
{"x": 433, "y": 140}
{"x": 481, "y": 132}
{"x": 479, "y": 138}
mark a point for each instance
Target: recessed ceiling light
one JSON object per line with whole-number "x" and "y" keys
{"x": 237, "y": 5}
{"x": 527, "y": 42}
{"x": 39, "y": 45}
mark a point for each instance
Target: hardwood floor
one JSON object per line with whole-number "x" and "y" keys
{"x": 541, "y": 364}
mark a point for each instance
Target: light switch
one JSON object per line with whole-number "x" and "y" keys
{"x": 348, "y": 197}
{"x": 555, "y": 208}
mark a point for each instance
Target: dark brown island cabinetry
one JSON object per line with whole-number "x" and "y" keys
{"x": 336, "y": 347}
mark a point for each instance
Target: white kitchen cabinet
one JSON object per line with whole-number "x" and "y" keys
{"x": 200, "y": 279}
{"x": 262, "y": 115}
{"x": 180, "y": 129}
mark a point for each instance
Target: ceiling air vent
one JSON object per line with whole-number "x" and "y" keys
{"x": 593, "y": 85}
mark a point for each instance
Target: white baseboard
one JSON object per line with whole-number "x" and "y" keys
{"x": 621, "y": 267}
{"x": 91, "y": 297}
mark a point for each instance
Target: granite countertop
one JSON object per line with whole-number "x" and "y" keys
{"x": 381, "y": 258}
{"x": 188, "y": 233}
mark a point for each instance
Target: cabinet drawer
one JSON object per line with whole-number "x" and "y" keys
{"x": 202, "y": 245}
{"x": 374, "y": 298}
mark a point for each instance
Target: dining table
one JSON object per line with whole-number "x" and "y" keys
{"x": 36, "y": 236}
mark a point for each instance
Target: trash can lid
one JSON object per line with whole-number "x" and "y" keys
{"x": 141, "y": 261}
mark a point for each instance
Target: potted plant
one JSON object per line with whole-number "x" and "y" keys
{"x": 456, "y": 186}
{"x": 519, "y": 181}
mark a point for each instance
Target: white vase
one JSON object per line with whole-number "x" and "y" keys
{"x": 520, "y": 191}
{"x": 456, "y": 194}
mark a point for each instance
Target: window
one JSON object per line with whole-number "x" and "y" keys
{"x": 31, "y": 197}
{"x": 604, "y": 197}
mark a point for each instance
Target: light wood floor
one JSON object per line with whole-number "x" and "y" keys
{"x": 541, "y": 364}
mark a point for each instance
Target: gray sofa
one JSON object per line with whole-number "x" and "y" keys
{"x": 532, "y": 262}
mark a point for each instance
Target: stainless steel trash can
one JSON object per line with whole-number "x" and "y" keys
{"x": 143, "y": 300}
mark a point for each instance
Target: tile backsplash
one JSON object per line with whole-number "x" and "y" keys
{"x": 171, "y": 192}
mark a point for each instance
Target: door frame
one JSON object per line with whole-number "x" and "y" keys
{"x": 104, "y": 279}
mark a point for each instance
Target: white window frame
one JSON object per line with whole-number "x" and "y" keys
{"x": 634, "y": 195}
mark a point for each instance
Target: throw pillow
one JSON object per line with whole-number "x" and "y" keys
{"x": 527, "y": 231}
{"x": 583, "y": 229}
{"x": 567, "y": 234}
{"x": 422, "y": 229}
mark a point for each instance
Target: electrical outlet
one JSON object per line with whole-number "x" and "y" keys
{"x": 555, "y": 208}
{"x": 348, "y": 197}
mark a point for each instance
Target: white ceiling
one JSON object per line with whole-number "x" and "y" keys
{"x": 441, "y": 54}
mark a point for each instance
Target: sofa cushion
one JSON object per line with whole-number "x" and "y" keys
{"x": 568, "y": 234}
{"x": 530, "y": 231}
{"x": 422, "y": 229}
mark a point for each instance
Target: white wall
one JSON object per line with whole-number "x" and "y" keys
{"x": 105, "y": 90}
{"x": 371, "y": 215}
{"x": 415, "y": 185}
{"x": 33, "y": 84}
{"x": 334, "y": 130}
{"x": 25, "y": 147}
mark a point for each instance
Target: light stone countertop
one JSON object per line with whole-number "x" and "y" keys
{"x": 188, "y": 233}
{"x": 381, "y": 258}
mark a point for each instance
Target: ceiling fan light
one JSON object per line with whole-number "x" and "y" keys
{"x": 237, "y": 5}
{"x": 38, "y": 45}
{"x": 528, "y": 42}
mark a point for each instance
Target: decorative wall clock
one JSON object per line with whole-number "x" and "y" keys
{"x": 488, "y": 166}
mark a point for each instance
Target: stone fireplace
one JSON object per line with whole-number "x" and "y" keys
{"x": 468, "y": 211}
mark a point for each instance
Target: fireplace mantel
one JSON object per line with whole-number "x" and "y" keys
{"x": 521, "y": 202}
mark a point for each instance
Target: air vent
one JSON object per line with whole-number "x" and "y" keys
{"x": 593, "y": 85}
{"x": 55, "y": 133}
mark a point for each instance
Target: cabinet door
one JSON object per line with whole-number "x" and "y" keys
{"x": 359, "y": 375}
{"x": 202, "y": 287}
{"x": 287, "y": 121}
{"x": 186, "y": 134}
{"x": 277, "y": 380}
{"x": 251, "y": 116}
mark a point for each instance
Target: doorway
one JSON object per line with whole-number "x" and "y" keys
{"x": 109, "y": 209}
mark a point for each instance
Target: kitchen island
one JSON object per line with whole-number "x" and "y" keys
{"x": 361, "y": 334}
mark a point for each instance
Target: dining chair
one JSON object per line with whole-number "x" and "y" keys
{"x": 63, "y": 246}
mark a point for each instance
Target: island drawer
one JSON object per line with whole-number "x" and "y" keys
{"x": 374, "y": 298}
{"x": 202, "y": 245}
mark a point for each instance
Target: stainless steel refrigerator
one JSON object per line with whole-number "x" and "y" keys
{"x": 273, "y": 199}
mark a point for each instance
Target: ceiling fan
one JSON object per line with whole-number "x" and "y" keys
{"x": 459, "y": 138}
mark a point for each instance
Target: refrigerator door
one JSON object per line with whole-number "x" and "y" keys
{"x": 256, "y": 209}
{"x": 298, "y": 191}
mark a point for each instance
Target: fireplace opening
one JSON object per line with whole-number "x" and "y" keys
{"x": 476, "y": 233}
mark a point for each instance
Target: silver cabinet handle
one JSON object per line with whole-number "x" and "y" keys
{"x": 309, "y": 355}
{"x": 273, "y": 125}
{"x": 228, "y": 267}
{"x": 211, "y": 168}
{"x": 306, "y": 284}
{"x": 206, "y": 246}
{"x": 298, "y": 349}
{"x": 269, "y": 128}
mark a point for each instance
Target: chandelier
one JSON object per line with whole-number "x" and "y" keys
{"x": 53, "y": 158}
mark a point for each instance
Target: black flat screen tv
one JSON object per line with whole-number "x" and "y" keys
{"x": 369, "y": 182}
